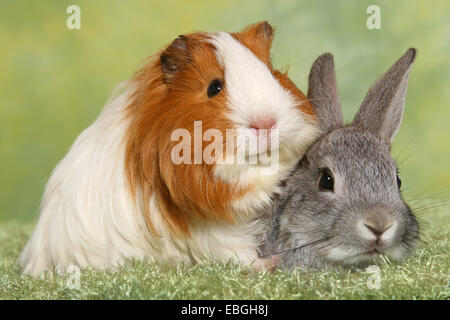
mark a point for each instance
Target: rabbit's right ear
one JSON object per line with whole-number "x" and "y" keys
{"x": 323, "y": 93}
{"x": 381, "y": 112}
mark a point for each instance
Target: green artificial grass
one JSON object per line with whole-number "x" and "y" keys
{"x": 423, "y": 276}
{"x": 55, "y": 81}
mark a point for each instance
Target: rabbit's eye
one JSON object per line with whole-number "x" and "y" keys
{"x": 399, "y": 182}
{"x": 326, "y": 182}
{"x": 214, "y": 88}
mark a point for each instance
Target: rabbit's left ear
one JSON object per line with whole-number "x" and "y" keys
{"x": 323, "y": 93}
{"x": 381, "y": 112}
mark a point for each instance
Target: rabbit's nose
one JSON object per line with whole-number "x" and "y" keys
{"x": 377, "y": 229}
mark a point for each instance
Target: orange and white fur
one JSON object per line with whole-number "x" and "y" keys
{"x": 117, "y": 195}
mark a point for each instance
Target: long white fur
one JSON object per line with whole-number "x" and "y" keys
{"x": 254, "y": 92}
{"x": 89, "y": 218}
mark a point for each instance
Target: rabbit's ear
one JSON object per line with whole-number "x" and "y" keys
{"x": 381, "y": 112}
{"x": 323, "y": 93}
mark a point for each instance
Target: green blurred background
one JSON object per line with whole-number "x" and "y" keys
{"x": 55, "y": 81}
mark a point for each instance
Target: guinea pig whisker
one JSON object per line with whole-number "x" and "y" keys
{"x": 314, "y": 99}
{"x": 293, "y": 63}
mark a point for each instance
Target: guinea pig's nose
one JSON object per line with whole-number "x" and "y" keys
{"x": 263, "y": 123}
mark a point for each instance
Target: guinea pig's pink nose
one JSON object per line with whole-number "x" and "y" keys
{"x": 263, "y": 123}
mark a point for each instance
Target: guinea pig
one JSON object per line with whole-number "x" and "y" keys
{"x": 342, "y": 206}
{"x": 121, "y": 193}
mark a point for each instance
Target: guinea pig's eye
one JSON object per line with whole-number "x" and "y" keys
{"x": 214, "y": 88}
{"x": 399, "y": 182}
{"x": 326, "y": 182}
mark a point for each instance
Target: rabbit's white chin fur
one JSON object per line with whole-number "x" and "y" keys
{"x": 348, "y": 257}
{"x": 89, "y": 218}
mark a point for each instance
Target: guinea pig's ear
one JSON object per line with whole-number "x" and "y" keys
{"x": 381, "y": 111}
{"x": 258, "y": 38}
{"x": 323, "y": 93}
{"x": 174, "y": 57}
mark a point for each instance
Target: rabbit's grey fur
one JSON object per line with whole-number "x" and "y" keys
{"x": 320, "y": 229}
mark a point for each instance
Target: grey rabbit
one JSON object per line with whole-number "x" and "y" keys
{"x": 342, "y": 206}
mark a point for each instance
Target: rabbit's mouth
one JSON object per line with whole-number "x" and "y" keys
{"x": 371, "y": 256}
{"x": 373, "y": 252}
{"x": 352, "y": 258}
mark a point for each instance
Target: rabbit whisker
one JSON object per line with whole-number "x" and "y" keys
{"x": 299, "y": 247}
